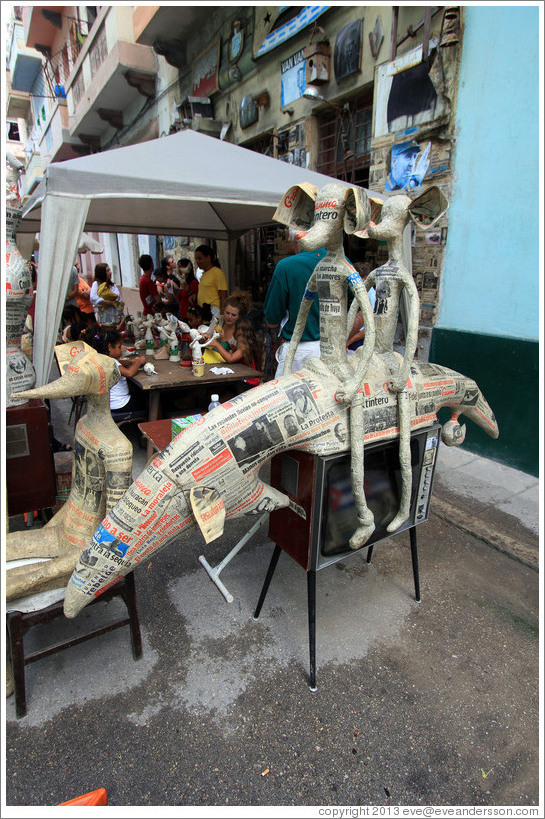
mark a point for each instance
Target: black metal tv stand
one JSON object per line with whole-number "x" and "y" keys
{"x": 311, "y": 595}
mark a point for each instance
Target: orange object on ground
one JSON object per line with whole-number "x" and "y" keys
{"x": 98, "y": 797}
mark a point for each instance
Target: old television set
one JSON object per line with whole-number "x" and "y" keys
{"x": 317, "y": 531}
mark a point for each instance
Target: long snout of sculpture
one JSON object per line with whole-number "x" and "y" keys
{"x": 318, "y": 236}
{"x": 67, "y": 386}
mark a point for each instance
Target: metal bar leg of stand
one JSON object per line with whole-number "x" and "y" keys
{"x": 267, "y": 583}
{"x": 369, "y": 554}
{"x": 17, "y": 656}
{"x": 414, "y": 556}
{"x": 311, "y": 588}
{"x": 129, "y": 596}
{"x": 214, "y": 572}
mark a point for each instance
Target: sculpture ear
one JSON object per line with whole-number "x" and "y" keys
{"x": 357, "y": 211}
{"x": 296, "y": 210}
{"x": 428, "y": 207}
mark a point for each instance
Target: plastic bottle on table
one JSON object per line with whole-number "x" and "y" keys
{"x": 214, "y": 402}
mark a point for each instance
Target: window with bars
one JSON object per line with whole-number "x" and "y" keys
{"x": 344, "y": 141}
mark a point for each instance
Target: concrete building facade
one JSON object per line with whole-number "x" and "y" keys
{"x": 386, "y": 97}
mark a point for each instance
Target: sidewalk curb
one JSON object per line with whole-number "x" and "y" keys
{"x": 516, "y": 549}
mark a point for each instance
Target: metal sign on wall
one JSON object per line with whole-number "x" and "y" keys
{"x": 205, "y": 70}
{"x": 284, "y": 32}
{"x": 293, "y": 80}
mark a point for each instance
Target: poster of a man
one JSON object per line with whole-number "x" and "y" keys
{"x": 408, "y": 166}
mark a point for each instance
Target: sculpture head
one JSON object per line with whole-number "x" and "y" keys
{"x": 14, "y": 167}
{"x": 83, "y": 372}
{"x": 322, "y": 216}
{"x": 424, "y": 210}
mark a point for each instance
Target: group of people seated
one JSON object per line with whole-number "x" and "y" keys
{"x": 98, "y": 317}
{"x": 195, "y": 299}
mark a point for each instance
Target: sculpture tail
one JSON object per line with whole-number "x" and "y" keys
{"x": 466, "y": 399}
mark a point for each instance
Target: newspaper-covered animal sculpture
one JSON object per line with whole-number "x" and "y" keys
{"x": 18, "y": 369}
{"x": 338, "y": 210}
{"x": 391, "y": 280}
{"x": 102, "y": 471}
{"x": 224, "y": 451}
{"x": 219, "y": 456}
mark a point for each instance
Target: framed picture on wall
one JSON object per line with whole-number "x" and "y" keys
{"x": 347, "y": 59}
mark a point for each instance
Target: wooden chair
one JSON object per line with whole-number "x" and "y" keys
{"x": 22, "y": 614}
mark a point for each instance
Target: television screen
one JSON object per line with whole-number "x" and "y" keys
{"x": 321, "y": 486}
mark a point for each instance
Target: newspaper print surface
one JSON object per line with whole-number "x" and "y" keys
{"x": 19, "y": 371}
{"x": 101, "y": 474}
{"x": 224, "y": 451}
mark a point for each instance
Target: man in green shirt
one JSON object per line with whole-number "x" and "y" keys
{"x": 284, "y": 296}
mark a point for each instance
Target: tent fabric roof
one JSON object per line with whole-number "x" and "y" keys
{"x": 187, "y": 183}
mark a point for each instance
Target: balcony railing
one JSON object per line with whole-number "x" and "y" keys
{"x": 58, "y": 67}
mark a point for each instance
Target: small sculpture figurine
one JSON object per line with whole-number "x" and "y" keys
{"x": 134, "y": 325}
{"x": 197, "y": 344}
{"x": 149, "y": 322}
{"x": 169, "y": 337}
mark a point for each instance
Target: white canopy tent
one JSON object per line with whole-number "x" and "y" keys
{"x": 186, "y": 184}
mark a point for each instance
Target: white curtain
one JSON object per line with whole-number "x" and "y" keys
{"x": 63, "y": 220}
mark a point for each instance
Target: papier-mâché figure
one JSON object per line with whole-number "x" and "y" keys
{"x": 102, "y": 471}
{"x": 338, "y": 209}
{"x": 19, "y": 372}
{"x": 389, "y": 281}
{"x": 220, "y": 456}
{"x": 196, "y": 344}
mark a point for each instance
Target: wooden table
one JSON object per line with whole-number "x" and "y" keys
{"x": 157, "y": 433}
{"x": 170, "y": 376}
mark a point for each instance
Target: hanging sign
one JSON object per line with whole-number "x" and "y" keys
{"x": 284, "y": 32}
{"x": 205, "y": 71}
{"x": 293, "y": 77}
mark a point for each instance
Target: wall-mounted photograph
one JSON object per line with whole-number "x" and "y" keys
{"x": 347, "y": 58}
{"x": 405, "y": 94}
{"x": 409, "y": 162}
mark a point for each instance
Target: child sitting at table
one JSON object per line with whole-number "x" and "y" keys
{"x": 108, "y": 342}
{"x": 198, "y": 315}
{"x": 249, "y": 349}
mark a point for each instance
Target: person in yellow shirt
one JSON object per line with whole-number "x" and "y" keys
{"x": 213, "y": 283}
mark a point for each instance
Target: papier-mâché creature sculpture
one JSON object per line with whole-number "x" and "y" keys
{"x": 221, "y": 454}
{"x": 102, "y": 471}
{"x": 389, "y": 281}
{"x": 339, "y": 210}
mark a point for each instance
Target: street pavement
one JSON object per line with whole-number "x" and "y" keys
{"x": 417, "y": 704}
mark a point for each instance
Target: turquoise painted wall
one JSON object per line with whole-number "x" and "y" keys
{"x": 490, "y": 280}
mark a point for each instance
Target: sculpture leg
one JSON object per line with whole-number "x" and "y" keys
{"x": 405, "y": 460}
{"x": 365, "y": 516}
{"x": 38, "y": 577}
